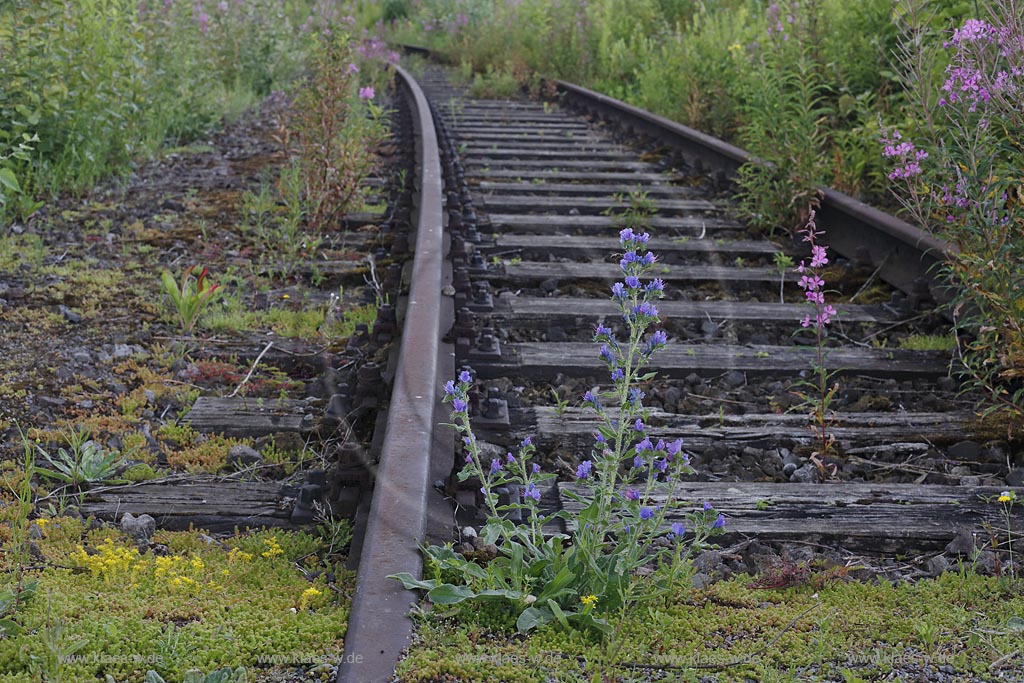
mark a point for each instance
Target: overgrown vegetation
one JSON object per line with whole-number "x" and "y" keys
{"x": 820, "y": 90}
{"x": 800, "y": 84}
{"x": 102, "y": 607}
{"x": 815, "y": 628}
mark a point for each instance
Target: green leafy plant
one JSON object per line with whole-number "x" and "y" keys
{"x": 22, "y": 588}
{"x": 10, "y": 187}
{"x": 591, "y": 580}
{"x": 189, "y": 295}
{"x": 333, "y": 133}
{"x": 957, "y": 171}
{"x": 560, "y": 403}
{"x": 83, "y": 462}
{"x": 784, "y": 131}
{"x": 782, "y": 262}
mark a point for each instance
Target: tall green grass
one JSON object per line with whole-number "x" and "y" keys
{"x": 801, "y": 83}
{"x": 102, "y": 82}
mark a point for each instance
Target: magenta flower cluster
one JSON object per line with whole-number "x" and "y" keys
{"x": 974, "y": 75}
{"x": 908, "y": 158}
{"x": 810, "y": 277}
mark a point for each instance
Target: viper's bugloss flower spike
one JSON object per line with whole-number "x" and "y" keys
{"x": 584, "y": 469}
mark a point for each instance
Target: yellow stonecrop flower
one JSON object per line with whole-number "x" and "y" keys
{"x": 273, "y": 548}
{"x": 589, "y": 600}
{"x": 307, "y": 596}
{"x": 109, "y": 560}
{"x": 236, "y": 555}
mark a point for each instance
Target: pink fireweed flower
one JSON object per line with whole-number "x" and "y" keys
{"x": 366, "y": 93}
{"x": 811, "y": 283}
{"x": 352, "y": 68}
{"x": 204, "y": 22}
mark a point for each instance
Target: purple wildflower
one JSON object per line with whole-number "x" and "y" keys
{"x": 584, "y": 469}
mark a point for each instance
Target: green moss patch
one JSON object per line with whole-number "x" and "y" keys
{"x": 103, "y": 607}
{"x": 729, "y": 632}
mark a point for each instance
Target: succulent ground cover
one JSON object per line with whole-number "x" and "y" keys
{"x": 813, "y": 624}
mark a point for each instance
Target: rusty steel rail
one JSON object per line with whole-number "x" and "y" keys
{"x": 379, "y": 625}
{"x": 906, "y": 256}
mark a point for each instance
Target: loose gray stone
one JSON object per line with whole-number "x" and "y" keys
{"x": 139, "y": 528}
{"x": 936, "y": 565}
{"x": 81, "y": 356}
{"x": 986, "y": 563}
{"x": 808, "y": 474}
{"x": 965, "y": 450}
{"x": 708, "y": 561}
{"x": 734, "y": 379}
{"x": 70, "y": 316}
{"x": 556, "y": 335}
{"x": 243, "y": 455}
{"x": 122, "y": 351}
{"x": 1015, "y": 477}
{"x": 700, "y": 580}
{"x": 962, "y": 544}
{"x": 469, "y": 532}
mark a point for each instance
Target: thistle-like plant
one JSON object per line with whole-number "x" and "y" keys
{"x": 83, "y": 462}
{"x": 622, "y": 503}
{"x": 190, "y": 295}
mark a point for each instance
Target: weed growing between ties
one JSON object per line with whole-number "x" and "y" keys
{"x": 333, "y": 134}
{"x": 956, "y": 170}
{"x": 816, "y": 394}
{"x": 631, "y": 543}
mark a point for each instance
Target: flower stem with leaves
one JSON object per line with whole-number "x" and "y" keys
{"x": 818, "y": 394}
{"x": 625, "y": 495}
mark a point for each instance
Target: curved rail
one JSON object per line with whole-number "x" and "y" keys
{"x": 379, "y": 625}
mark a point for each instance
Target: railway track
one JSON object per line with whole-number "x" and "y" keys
{"x": 515, "y": 209}
{"x": 532, "y": 199}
